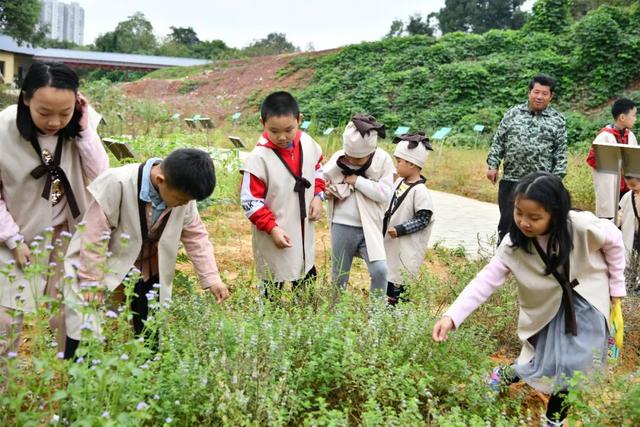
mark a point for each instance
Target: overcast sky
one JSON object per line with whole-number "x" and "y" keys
{"x": 325, "y": 23}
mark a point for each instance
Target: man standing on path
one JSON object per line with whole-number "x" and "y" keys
{"x": 532, "y": 137}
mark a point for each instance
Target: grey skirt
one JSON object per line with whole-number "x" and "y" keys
{"x": 559, "y": 355}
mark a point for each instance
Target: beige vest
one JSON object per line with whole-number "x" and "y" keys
{"x": 116, "y": 191}
{"x": 287, "y": 264}
{"x": 539, "y": 296}
{"x": 22, "y": 195}
{"x": 603, "y": 183}
{"x": 627, "y": 222}
{"x": 371, "y": 212}
{"x": 405, "y": 254}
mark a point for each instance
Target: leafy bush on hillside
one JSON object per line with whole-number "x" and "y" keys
{"x": 427, "y": 83}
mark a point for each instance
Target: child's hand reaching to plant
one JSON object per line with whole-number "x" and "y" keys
{"x": 441, "y": 329}
{"x": 220, "y": 291}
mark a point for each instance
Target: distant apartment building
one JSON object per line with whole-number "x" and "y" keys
{"x": 64, "y": 21}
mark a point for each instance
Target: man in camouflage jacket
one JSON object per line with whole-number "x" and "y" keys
{"x": 532, "y": 137}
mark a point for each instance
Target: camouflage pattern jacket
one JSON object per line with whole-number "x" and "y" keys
{"x": 526, "y": 142}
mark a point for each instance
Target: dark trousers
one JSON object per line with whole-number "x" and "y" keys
{"x": 140, "y": 309}
{"x": 271, "y": 289}
{"x": 395, "y": 294}
{"x": 505, "y": 203}
{"x": 557, "y": 410}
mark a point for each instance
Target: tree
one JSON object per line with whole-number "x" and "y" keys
{"x": 213, "y": 49}
{"x": 550, "y": 16}
{"x": 186, "y": 36}
{"x": 456, "y": 15}
{"x": 480, "y": 16}
{"x": 135, "y": 35}
{"x": 417, "y": 26}
{"x": 501, "y": 14}
{"x": 396, "y": 29}
{"x": 579, "y": 8}
{"x": 273, "y": 44}
{"x": 171, "y": 48}
{"x": 19, "y": 19}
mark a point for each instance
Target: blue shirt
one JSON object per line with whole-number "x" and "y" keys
{"x": 148, "y": 192}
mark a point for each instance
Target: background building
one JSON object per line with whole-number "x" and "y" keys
{"x": 64, "y": 21}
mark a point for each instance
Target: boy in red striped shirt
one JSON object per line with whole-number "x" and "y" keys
{"x": 282, "y": 194}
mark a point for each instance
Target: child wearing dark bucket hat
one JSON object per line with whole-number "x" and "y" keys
{"x": 409, "y": 217}
{"x": 360, "y": 185}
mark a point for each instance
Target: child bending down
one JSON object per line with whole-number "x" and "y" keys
{"x": 569, "y": 266}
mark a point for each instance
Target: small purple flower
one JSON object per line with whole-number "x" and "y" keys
{"x": 66, "y": 234}
{"x": 105, "y": 237}
{"x": 108, "y": 254}
{"x": 156, "y": 396}
{"x": 141, "y": 406}
{"x": 53, "y": 264}
{"x": 124, "y": 356}
{"x": 144, "y": 366}
{"x": 12, "y": 354}
{"x": 156, "y": 285}
{"x": 33, "y": 245}
{"x": 96, "y": 362}
{"x": 125, "y": 237}
{"x": 80, "y": 359}
{"x": 112, "y": 314}
{"x": 105, "y": 414}
{"x": 55, "y": 419}
{"x": 86, "y": 326}
{"x": 38, "y": 238}
{"x": 168, "y": 420}
{"x": 60, "y": 355}
{"x": 49, "y": 247}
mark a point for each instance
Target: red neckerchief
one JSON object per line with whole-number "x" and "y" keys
{"x": 621, "y": 136}
{"x": 289, "y": 154}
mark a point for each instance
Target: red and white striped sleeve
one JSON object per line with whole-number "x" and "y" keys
{"x": 252, "y": 199}
{"x": 319, "y": 184}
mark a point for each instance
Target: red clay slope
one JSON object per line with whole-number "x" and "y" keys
{"x": 223, "y": 88}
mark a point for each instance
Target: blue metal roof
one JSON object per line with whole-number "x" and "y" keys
{"x": 8, "y": 44}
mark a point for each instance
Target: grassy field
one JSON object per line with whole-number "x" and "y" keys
{"x": 311, "y": 359}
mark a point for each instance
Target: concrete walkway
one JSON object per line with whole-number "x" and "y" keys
{"x": 464, "y": 222}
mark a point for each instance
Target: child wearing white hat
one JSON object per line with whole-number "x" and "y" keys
{"x": 360, "y": 185}
{"x": 409, "y": 217}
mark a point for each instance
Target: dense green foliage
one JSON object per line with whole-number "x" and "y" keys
{"x": 135, "y": 35}
{"x": 479, "y": 16}
{"x": 19, "y": 19}
{"x": 462, "y": 79}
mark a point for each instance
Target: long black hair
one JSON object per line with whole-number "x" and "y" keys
{"x": 547, "y": 190}
{"x": 47, "y": 74}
